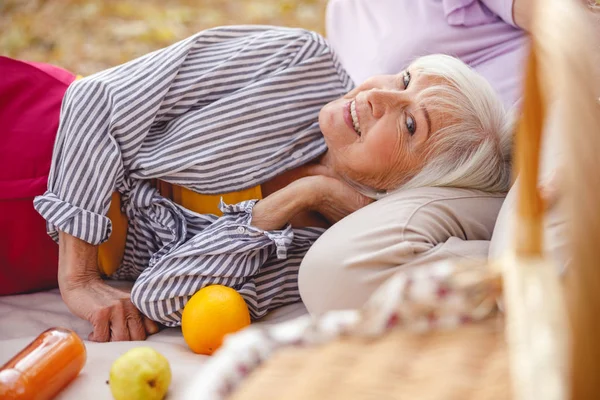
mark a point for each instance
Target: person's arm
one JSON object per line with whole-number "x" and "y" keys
{"x": 88, "y": 165}
{"x": 109, "y": 310}
{"x": 252, "y": 248}
{"x": 523, "y": 11}
{"x": 328, "y": 196}
{"x": 106, "y": 119}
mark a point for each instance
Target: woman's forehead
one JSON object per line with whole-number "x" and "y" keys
{"x": 424, "y": 79}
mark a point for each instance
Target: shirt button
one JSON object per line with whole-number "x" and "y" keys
{"x": 297, "y": 154}
{"x": 241, "y": 230}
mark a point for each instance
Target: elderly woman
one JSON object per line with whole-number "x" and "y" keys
{"x": 267, "y": 119}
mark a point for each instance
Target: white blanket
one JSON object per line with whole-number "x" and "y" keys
{"x": 24, "y": 317}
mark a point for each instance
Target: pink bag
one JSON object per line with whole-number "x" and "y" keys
{"x": 30, "y": 99}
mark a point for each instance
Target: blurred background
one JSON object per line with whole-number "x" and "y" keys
{"x": 86, "y": 36}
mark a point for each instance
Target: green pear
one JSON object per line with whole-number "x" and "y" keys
{"x": 141, "y": 373}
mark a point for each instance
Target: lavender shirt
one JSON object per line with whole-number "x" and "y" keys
{"x": 383, "y": 36}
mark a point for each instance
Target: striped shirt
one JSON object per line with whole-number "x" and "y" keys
{"x": 224, "y": 110}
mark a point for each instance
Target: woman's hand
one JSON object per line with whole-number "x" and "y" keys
{"x": 523, "y": 11}
{"x": 336, "y": 198}
{"x": 328, "y": 196}
{"x": 110, "y": 311}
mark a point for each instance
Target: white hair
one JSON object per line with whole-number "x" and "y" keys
{"x": 473, "y": 149}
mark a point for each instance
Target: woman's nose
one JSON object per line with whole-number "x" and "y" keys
{"x": 380, "y": 100}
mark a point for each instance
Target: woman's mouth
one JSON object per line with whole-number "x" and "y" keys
{"x": 351, "y": 117}
{"x": 354, "y": 116}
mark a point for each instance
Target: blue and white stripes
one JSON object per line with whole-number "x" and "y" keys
{"x": 221, "y": 111}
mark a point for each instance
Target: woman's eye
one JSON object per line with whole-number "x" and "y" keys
{"x": 406, "y": 79}
{"x": 411, "y": 125}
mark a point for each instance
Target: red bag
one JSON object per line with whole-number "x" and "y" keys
{"x": 30, "y": 99}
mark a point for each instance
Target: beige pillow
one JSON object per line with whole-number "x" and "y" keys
{"x": 555, "y": 235}
{"x": 406, "y": 229}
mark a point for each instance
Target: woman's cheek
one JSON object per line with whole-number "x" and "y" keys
{"x": 385, "y": 149}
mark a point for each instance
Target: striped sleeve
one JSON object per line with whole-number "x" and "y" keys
{"x": 261, "y": 265}
{"x": 223, "y": 110}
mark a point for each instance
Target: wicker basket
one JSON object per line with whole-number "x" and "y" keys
{"x": 470, "y": 362}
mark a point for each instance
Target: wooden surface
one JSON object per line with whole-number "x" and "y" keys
{"x": 466, "y": 363}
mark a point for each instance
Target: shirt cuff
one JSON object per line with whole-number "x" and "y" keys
{"x": 63, "y": 216}
{"x": 241, "y": 227}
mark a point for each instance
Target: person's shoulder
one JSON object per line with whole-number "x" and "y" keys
{"x": 267, "y": 31}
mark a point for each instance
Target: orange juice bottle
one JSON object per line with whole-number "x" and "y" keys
{"x": 43, "y": 368}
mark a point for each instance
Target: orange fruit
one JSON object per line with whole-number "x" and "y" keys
{"x": 212, "y": 313}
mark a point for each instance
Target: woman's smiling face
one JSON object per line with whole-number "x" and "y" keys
{"x": 377, "y": 134}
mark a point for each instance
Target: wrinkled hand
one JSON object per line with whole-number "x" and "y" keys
{"x": 337, "y": 199}
{"x": 110, "y": 311}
